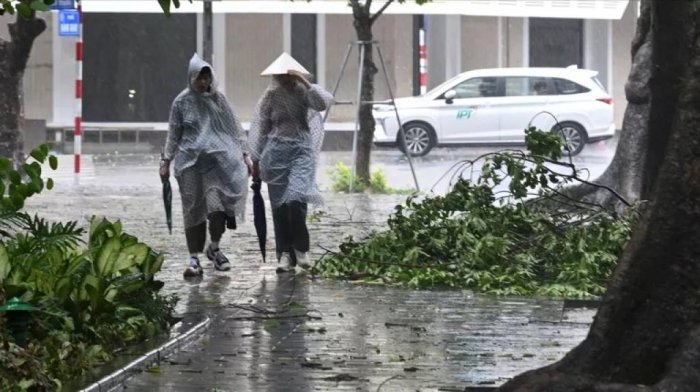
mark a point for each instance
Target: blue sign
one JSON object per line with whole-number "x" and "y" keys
{"x": 63, "y": 5}
{"x": 69, "y": 23}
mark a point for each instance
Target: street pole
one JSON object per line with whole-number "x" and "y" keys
{"x": 78, "y": 130}
{"x": 207, "y": 45}
{"x": 423, "y": 61}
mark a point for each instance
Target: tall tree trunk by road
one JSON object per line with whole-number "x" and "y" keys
{"x": 646, "y": 334}
{"x": 363, "y": 27}
{"x": 639, "y": 150}
{"x": 14, "y": 55}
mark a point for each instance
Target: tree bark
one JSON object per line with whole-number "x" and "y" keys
{"x": 363, "y": 27}
{"x": 625, "y": 172}
{"x": 644, "y": 137}
{"x": 646, "y": 334}
{"x": 14, "y": 55}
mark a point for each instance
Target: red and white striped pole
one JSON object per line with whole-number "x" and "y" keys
{"x": 423, "y": 61}
{"x": 78, "y": 134}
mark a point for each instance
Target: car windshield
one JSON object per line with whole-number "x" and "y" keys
{"x": 444, "y": 84}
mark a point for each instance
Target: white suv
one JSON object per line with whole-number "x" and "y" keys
{"x": 494, "y": 106}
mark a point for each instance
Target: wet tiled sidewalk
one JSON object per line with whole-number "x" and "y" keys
{"x": 293, "y": 334}
{"x": 289, "y": 332}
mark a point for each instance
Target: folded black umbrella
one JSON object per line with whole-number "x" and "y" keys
{"x": 259, "y": 215}
{"x": 168, "y": 202}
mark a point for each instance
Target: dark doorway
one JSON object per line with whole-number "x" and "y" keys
{"x": 304, "y": 40}
{"x": 556, "y": 42}
{"x": 135, "y": 65}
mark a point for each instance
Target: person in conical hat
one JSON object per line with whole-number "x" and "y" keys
{"x": 208, "y": 149}
{"x": 285, "y": 140}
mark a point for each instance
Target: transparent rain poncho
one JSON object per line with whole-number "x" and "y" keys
{"x": 285, "y": 137}
{"x": 206, "y": 144}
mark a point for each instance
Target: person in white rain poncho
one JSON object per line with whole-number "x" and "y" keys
{"x": 285, "y": 139}
{"x": 207, "y": 146}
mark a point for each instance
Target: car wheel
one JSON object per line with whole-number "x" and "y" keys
{"x": 420, "y": 138}
{"x": 574, "y": 136}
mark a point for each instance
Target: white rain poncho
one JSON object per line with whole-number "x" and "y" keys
{"x": 206, "y": 143}
{"x": 285, "y": 137}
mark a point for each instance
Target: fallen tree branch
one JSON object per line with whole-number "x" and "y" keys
{"x": 421, "y": 266}
{"x": 580, "y": 203}
{"x": 458, "y": 169}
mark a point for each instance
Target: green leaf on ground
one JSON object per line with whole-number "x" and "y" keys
{"x": 271, "y": 325}
{"x": 155, "y": 370}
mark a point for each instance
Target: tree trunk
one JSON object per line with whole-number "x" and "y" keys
{"x": 674, "y": 31}
{"x": 625, "y": 172}
{"x": 640, "y": 152}
{"x": 13, "y": 60}
{"x": 646, "y": 335}
{"x": 10, "y": 136}
{"x": 363, "y": 27}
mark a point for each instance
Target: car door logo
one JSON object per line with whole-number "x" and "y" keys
{"x": 465, "y": 113}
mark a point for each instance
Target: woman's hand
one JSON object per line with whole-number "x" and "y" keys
{"x": 164, "y": 168}
{"x": 300, "y": 77}
{"x": 249, "y": 164}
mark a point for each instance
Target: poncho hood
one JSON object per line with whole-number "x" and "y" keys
{"x": 196, "y": 65}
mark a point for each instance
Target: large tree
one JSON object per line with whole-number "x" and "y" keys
{"x": 13, "y": 60}
{"x": 646, "y": 334}
{"x": 639, "y": 154}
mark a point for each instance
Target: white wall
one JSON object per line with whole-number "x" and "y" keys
{"x": 480, "y": 46}
{"x": 596, "y": 52}
{"x": 64, "y": 75}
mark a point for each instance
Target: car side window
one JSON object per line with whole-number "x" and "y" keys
{"x": 520, "y": 86}
{"x": 477, "y": 87}
{"x": 566, "y": 87}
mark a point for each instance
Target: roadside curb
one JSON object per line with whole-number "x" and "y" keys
{"x": 117, "y": 378}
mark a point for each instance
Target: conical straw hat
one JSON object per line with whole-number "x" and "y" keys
{"x": 282, "y": 65}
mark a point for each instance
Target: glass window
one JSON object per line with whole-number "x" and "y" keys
{"x": 477, "y": 87}
{"x": 566, "y": 87}
{"x": 519, "y": 86}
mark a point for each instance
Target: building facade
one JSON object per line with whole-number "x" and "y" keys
{"x": 135, "y": 59}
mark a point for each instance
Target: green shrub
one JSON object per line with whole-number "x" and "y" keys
{"x": 93, "y": 297}
{"x": 341, "y": 175}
